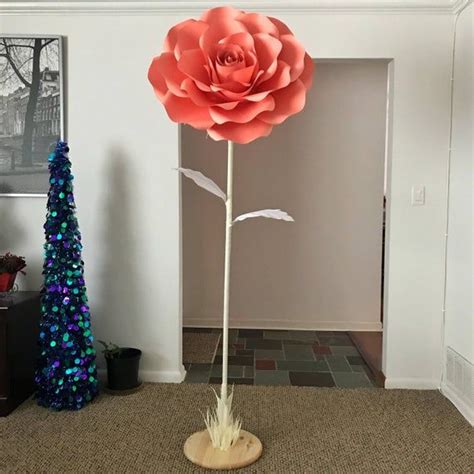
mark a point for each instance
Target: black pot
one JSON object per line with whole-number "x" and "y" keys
{"x": 122, "y": 369}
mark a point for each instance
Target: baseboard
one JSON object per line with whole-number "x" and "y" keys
{"x": 161, "y": 376}
{"x": 289, "y": 324}
{"x": 412, "y": 383}
{"x": 461, "y": 404}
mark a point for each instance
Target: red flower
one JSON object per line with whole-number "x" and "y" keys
{"x": 232, "y": 73}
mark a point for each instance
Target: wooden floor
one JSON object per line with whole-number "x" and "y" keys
{"x": 369, "y": 344}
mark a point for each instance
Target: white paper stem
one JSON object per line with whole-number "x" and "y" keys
{"x": 228, "y": 246}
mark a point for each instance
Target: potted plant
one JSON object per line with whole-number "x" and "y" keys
{"x": 10, "y": 265}
{"x": 122, "y": 366}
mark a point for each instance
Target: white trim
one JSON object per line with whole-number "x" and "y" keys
{"x": 284, "y": 324}
{"x": 388, "y": 210}
{"x": 459, "y": 5}
{"x": 130, "y": 7}
{"x": 462, "y": 406}
{"x": 412, "y": 383}
{"x": 161, "y": 376}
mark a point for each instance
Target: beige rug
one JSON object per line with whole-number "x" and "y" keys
{"x": 199, "y": 347}
{"x": 303, "y": 430}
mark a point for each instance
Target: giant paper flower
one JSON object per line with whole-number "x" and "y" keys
{"x": 232, "y": 73}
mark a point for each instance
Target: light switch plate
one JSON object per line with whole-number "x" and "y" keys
{"x": 418, "y": 195}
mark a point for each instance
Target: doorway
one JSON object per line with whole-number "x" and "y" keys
{"x": 319, "y": 278}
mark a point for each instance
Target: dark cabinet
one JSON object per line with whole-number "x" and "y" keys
{"x": 19, "y": 326}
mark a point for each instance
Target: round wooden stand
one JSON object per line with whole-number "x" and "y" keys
{"x": 199, "y": 450}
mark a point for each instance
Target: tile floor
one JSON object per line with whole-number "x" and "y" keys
{"x": 303, "y": 358}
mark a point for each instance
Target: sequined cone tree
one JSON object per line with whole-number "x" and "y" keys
{"x": 66, "y": 375}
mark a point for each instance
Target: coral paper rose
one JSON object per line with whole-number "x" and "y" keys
{"x": 232, "y": 73}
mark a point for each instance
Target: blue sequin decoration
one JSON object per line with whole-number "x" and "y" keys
{"x": 66, "y": 376}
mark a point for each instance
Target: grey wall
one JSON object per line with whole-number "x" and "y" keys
{"x": 326, "y": 168}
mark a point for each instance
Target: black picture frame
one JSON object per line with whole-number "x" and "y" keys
{"x": 30, "y": 124}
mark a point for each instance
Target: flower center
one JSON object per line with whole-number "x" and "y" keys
{"x": 230, "y": 55}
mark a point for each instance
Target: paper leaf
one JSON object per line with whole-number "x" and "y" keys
{"x": 268, "y": 213}
{"x": 203, "y": 182}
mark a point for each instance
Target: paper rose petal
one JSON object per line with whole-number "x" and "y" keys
{"x": 165, "y": 65}
{"x": 307, "y": 75}
{"x": 240, "y": 132}
{"x": 282, "y": 28}
{"x": 228, "y": 105}
{"x": 188, "y": 38}
{"x": 244, "y": 75}
{"x": 257, "y": 96}
{"x": 191, "y": 64}
{"x": 244, "y": 40}
{"x": 218, "y": 31}
{"x": 293, "y": 54}
{"x": 197, "y": 95}
{"x": 268, "y": 213}
{"x": 157, "y": 80}
{"x": 289, "y": 101}
{"x": 267, "y": 49}
{"x": 280, "y": 79}
{"x": 172, "y": 36}
{"x": 185, "y": 111}
{"x": 232, "y": 73}
{"x": 257, "y": 23}
{"x": 243, "y": 113}
{"x": 215, "y": 15}
{"x": 203, "y": 182}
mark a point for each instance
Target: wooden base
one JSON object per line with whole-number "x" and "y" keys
{"x": 199, "y": 450}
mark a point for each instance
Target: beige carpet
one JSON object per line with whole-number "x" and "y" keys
{"x": 199, "y": 347}
{"x": 303, "y": 430}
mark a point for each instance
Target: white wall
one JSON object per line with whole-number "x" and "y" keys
{"x": 459, "y": 329}
{"x": 113, "y": 114}
{"x": 325, "y": 167}
{"x": 123, "y": 149}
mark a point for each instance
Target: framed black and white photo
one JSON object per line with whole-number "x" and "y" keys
{"x": 31, "y": 111}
